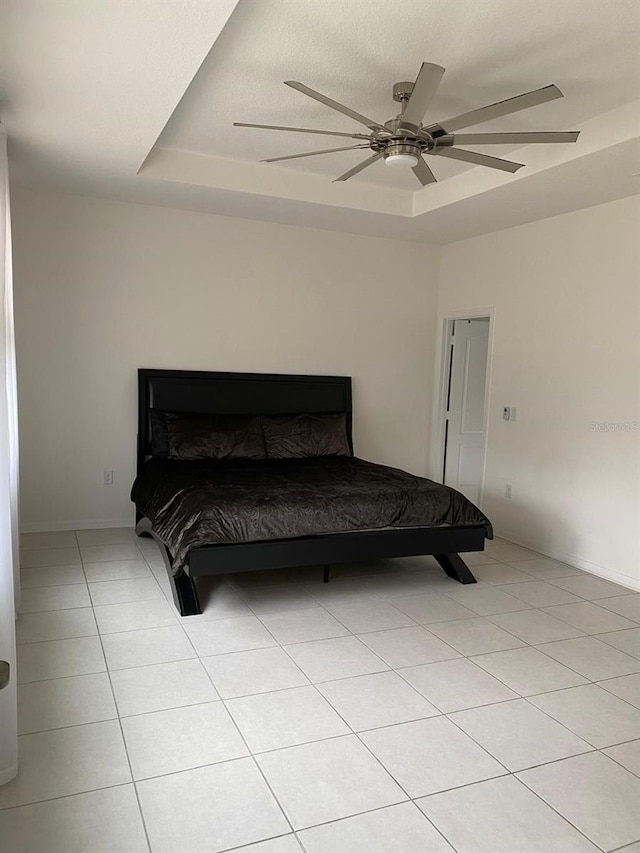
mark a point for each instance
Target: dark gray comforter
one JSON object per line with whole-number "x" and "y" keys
{"x": 204, "y": 502}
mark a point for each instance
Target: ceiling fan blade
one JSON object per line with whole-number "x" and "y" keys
{"x": 313, "y": 153}
{"x": 502, "y": 108}
{"x": 302, "y": 130}
{"x": 514, "y": 138}
{"x": 328, "y": 102}
{"x": 423, "y": 173}
{"x": 478, "y": 159}
{"x": 359, "y": 167}
{"x": 424, "y": 89}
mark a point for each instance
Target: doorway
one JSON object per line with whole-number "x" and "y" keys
{"x": 463, "y": 419}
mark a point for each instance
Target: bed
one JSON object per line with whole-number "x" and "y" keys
{"x": 219, "y": 516}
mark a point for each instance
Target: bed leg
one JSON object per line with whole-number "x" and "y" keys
{"x": 455, "y": 567}
{"x": 185, "y": 594}
{"x": 325, "y": 576}
{"x": 183, "y": 587}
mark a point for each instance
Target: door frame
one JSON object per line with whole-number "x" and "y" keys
{"x": 445, "y": 323}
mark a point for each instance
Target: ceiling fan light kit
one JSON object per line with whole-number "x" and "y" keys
{"x": 402, "y": 155}
{"x": 403, "y": 142}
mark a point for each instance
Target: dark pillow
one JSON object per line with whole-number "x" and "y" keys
{"x": 159, "y": 433}
{"x": 214, "y": 437}
{"x": 302, "y": 436}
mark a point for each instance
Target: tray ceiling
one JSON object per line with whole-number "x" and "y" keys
{"x": 140, "y": 105}
{"x": 355, "y": 51}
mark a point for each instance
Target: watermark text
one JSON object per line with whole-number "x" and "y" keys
{"x": 614, "y": 426}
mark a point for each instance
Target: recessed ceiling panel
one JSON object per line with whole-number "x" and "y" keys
{"x": 355, "y": 50}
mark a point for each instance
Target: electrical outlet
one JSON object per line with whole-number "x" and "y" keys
{"x": 107, "y": 478}
{"x": 506, "y": 413}
{"x": 507, "y": 491}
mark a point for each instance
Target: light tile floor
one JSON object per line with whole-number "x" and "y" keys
{"x": 390, "y": 711}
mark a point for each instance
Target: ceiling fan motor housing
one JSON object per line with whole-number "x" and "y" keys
{"x": 402, "y": 152}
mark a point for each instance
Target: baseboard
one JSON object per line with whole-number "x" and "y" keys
{"x": 578, "y": 563}
{"x": 90, "y": 524}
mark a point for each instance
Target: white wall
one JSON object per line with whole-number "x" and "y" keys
{"x": 566, "y": 354}
{"x": 104, "y": 287}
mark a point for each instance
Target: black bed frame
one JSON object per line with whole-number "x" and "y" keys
{"x": 271, "y": 394}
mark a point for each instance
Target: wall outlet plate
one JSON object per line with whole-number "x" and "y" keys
{"x": 107, "y": 478}
{"x": 506, "y": 413}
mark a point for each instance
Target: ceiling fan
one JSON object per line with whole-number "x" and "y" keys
{"x": 402, "y": 141}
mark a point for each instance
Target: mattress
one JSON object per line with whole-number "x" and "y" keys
{"x": 209, "y": 502}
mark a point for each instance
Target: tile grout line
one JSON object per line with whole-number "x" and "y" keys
{"x": 65, "y": 796}
{"x": 233, "y": 721}
{"x": 576, "y": 687}
{"x": 325, "y": 698}
{"x": 249, "y": 751}
{"x": 375, "y": 757}
{"x": 349, "y": 727}
{"x": 621, "y": 698}
{"x": 588, "y": 636}
{"x": 553, "y": 808}
{"x": 241, "y": 847}
{"x": 516, "y": 698}
{"x": 124, "y": 741}
{"x": 624, "y": 847}
{"x": 514, "y": 773}
{"x": 633, "y": 772}
{"x": 326, "y": 606}
{"x": 593, "y": 747}
{"x": 357, "y": 635}
{"x": 459, "y": 655}
{"x": 510, "y": 773}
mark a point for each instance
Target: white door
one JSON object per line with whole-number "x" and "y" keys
{"x": 464, "y": 419}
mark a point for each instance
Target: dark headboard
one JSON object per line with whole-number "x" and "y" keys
{"x": 237, "y": 394}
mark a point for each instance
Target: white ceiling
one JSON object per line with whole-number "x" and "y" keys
{"x": 137, "y": 100}
{"x": 354, "y": 51}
